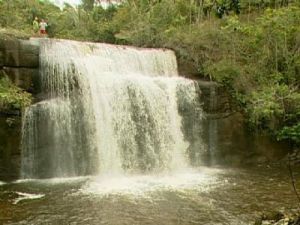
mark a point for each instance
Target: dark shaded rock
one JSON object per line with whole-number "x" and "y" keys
{"x": 217, "y": 102}
{"x": 10, "y": 132}
{"x": 187, "y": 69}
{"x": 1, "y": 58}
{"x": 22, "y": 77}
{"x": 19, "y": 60}
{"x": 20, "y": 53}
{"x": 16, "y": 58}
{"x": 225, "y": 133}
{"x": 10, "y": 44}
{"x": 2, "y": 41}
{"x": 231, "y": 143}
{"x": 29, "y": 47}
{"x": 11, "y": 58}
{"x": 276, "y": 216}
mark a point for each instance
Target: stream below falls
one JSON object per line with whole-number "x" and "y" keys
{"x": 198, "y": 196}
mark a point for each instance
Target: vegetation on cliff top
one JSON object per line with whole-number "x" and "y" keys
{"x": 12, "y": 97}
{"x": 251, "y": 47}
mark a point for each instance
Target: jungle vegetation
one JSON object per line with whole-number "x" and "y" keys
{"x": 252, "y": 47}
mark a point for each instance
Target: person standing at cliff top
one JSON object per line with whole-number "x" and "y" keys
{"x": 43, "y": 26}
{"x": 35, "y": 25}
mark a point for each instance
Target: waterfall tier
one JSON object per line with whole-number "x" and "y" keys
{"x": 106, "y": 109}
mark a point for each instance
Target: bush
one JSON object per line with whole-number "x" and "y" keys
{"x": 12, "y": 97}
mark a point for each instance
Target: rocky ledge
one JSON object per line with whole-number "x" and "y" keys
{"x": 278, "y": 218}
{"x": 19, "y": 60}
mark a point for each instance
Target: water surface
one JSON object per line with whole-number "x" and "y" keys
{"x": 202, "y": 196}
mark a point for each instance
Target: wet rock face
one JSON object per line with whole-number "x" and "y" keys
{"x": 19, "y": 53}
{"x": 226, "y": 136}
{"x": 231, "y": 143}
{"x": 22, "y": 77}
{"x": 10, "y": 132}
{"x": 216, "y": 100}
{"x": 19, "y": 61}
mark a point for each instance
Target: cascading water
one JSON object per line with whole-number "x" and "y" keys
{"x": 106, "y": 109}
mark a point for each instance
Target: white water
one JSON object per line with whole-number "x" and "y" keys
{"x": 107, "y": 110}
{"x": 26, "y": 196}
{"x": 140, "y": 185}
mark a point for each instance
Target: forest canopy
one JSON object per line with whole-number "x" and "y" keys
{"x": 252, "y": 47}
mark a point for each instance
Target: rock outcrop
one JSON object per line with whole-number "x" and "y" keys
{"x": 19, "y": 61}
{"x": 226, "y": 135}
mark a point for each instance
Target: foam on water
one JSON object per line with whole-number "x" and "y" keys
{"x": 136, "y": 185}
{"x": 53, "y": 181}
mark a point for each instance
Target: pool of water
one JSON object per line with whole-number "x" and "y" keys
{"x": 198, "y": 196}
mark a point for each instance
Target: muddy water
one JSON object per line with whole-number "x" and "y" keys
{"x": 202, "y": 196}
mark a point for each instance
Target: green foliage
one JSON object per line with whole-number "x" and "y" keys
{"x": 276, "y": 101}
{"x": 82, "y": 23}
{"x": 223, "y": 71}
{"x": 267, "y": 52}
{"x": 290, "y": 133}
{"x": 12, "y": 97}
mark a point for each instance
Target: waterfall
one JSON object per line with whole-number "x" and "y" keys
{"x": 106, "y": 109}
